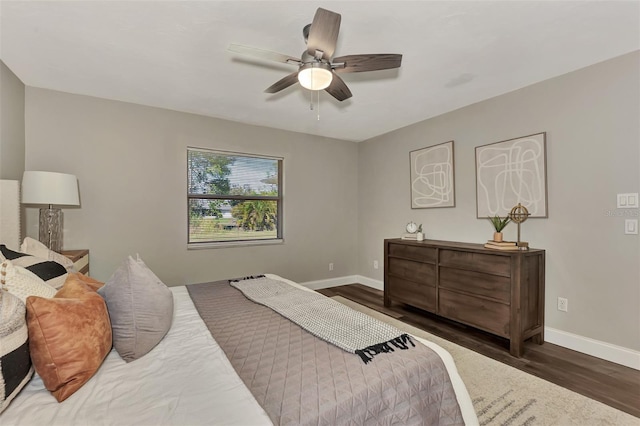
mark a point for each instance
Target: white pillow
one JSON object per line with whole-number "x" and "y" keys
{"x": 23, "y": 283}
{"x": 36, "y": 248}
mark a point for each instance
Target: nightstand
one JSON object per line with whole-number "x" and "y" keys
{"x": 80, "y": 259}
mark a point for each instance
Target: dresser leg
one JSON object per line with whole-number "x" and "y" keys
{"x": 516, "y": 347}
{"x": 538, "y": 339}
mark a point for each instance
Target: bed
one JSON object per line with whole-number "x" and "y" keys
{"x": 186, "y": 380}
{"x": 241, "y": 377}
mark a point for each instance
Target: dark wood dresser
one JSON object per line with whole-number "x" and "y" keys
{"x": 498, "y": 291}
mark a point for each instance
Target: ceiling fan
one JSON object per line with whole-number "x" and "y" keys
{"x": 316, "y": 68}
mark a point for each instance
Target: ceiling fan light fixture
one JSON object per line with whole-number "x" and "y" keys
{"x": 315, "y": 75}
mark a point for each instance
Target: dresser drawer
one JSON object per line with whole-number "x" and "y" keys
{"x": 496, "y": 287}
{"x": 415, "y": 294}
{"x": 481, "y": 313}
{"x": 489, "y": 263}
{"x": 414, "y": 271}
{"x": 421, "y": 254}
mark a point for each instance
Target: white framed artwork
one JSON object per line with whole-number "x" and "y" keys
{"x": 432, "y": 177}
{"x": 511, "y": 172}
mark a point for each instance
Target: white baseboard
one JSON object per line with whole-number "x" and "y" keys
{"x": 370, "y": 282}
{"x": 586, "y": 345}
{"x": 349, "y": 279}
{"x": 331, "y": 282}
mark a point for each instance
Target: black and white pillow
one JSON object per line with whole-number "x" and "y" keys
{"x": 52, "y": 273}
{"x": 15, "y": 362}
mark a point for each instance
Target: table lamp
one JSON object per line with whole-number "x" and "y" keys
{"x": 52, "y": 189}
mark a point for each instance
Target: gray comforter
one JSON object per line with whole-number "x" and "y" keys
{"x": 301, "y": 380}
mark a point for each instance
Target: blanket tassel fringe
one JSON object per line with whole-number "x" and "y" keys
{"x": 250, "y": 277}
{"x": 400, "y": 342}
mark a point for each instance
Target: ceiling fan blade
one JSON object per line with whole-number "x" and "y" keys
{"x": 263, "y": 54}
{"x": 371, "y": 62}
{"x": 338, "y": 89}
{"x": 283, "y": 83}
{"x": 323, "y": 34}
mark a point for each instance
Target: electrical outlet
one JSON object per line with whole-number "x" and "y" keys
{"x": 331, "y": 266}
{"x": 375, "y": 264}
{"x": 563, "y": 304}
{"x": 631, "y": 226}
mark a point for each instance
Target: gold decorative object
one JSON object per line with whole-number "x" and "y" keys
{"x": 519, "y": 214}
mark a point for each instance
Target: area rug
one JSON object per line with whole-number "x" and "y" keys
{"x": 503, "y": 395}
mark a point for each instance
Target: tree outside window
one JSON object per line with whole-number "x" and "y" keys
{"x": 233, "y": 197}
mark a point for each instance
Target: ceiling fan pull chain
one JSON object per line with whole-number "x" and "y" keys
{"x": 318, "y": 100}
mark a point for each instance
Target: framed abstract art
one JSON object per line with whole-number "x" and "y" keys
{"x": 511, "y": 172}
{"x": 432, "y": 177}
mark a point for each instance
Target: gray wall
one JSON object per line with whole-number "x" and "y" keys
{"x": 130, "y": 161}
{"x": 11, "y": 125}
{"x": 131, "y": 164}
{"x": 591, "y": 117}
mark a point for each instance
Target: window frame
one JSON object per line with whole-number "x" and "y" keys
{"x": 279, "y": 199}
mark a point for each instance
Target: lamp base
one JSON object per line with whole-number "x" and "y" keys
{"x": 50, "y": 233}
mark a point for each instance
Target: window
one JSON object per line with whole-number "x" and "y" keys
{"x": 233, "y": 197}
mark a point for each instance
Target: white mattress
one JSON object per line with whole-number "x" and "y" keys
{"x": 185, "y": 380}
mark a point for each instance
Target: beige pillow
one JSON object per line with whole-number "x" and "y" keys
{"x": 36, "y": 248}
{"x": 23, "y": 283}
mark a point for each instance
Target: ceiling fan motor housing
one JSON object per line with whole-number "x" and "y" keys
{"x": 305, "y": 32}
{"x": 306, "y": 57}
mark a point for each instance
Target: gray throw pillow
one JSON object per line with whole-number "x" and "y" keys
{"x": 140, "y": 307}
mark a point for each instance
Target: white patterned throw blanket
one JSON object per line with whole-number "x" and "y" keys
{"x": 325, "y": 318}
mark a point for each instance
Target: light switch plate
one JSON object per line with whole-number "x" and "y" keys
{"x": 631, "y": 226}
{"x": 628, "y": 200}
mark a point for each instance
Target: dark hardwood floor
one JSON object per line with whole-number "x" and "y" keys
{"x": 604, "y": 381}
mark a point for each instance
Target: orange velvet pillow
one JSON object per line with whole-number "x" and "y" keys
{"x": 69, "y": 336}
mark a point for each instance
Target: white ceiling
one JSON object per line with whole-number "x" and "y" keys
{"x": 172, "y": 54}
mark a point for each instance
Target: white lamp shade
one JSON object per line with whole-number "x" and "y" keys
{"x": 50, "y": 188}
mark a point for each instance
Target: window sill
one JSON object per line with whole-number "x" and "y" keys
{"x": 228, "y": 244}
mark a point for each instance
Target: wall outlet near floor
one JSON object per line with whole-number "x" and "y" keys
{"x": 331, "y": 266}
{"x": 375, "y": 264}
{"x": 563, "y": 304}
